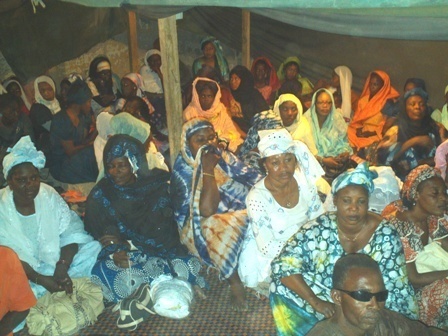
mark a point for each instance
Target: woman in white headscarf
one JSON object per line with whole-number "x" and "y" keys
{"x": 43, "y": 110}
{"x": 289, "y": 108}
{"x": 151, "y": 72}
{"x": 279, "y": 204}
{"x": 39, "y": 226}
{"x": 345, "y": 98}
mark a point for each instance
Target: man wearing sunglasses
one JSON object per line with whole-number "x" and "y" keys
{"x": 359, "y": 295}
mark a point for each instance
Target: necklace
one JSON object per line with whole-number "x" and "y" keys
{"x": 351, "y": 239}
{"x": 288, "y": 203}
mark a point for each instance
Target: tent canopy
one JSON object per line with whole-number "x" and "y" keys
{"x": 395, "y": 19}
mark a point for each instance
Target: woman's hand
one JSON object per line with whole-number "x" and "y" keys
{"x": 63, "y": 279}
{"x": 331, "y": 162}
{"x": 209, "y": 160}
{"x": 324, "y": 307}
{"x": 49, "y": 283}
{"x": 121, "y": 259}
{"x": 107, "y": 240}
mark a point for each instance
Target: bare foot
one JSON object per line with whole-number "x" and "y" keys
{"x": 199, "y": 293}
{"x": 238, "y": 297}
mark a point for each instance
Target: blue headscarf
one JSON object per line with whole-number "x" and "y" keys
{"x": 361, "y": 175}
{"x": 23, "y": 151}
{"x": 331, "y": 139}
{"x": 122, "y": 145}
{"x": 407, "y": 129}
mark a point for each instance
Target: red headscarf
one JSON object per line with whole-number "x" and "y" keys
{"x": 274, "y": 83}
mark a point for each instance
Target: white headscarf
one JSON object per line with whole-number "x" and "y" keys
{"x": 300, "y": 128}
{"x": 345, "y": 80}
{"x": 23, "y": 96}
{"x": 23, "y": 151}
{"x": 280, "y": 141}
{"x": 52, "y": 105}
{"x": 149, "y": 53}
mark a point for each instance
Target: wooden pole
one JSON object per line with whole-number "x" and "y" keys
{"x": 132, "y": 41}
{"x": 171, "y": 82}
{"x": 246, "y": 39}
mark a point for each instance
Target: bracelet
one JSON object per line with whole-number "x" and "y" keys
{"x": 207, "y": 174}
{"x": 63, "y": 262}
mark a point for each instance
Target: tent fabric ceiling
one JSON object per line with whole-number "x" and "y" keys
{"x": 394, "y": 19}
{"x": 33, "y": 43}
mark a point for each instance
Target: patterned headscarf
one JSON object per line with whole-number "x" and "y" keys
{"x": 122, "y": 145}
{"x": 188, "y": 129}
{"x": 414, "y": 178}
{"x": 361, "y": 175}
{"x": 279, "y": 141}
{"x": 274, "y": 142}
{"x": 23, "y": 151}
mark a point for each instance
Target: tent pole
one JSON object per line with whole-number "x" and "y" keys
{"x": 171, "y": 82}
{"x": 132, "y": 41}
{"x": 246, "y": 39}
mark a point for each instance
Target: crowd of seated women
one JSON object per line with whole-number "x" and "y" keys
{"x": 261, "y": 151}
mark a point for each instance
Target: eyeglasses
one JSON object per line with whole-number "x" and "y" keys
{"x": 323, "y": 102}
{"x": 364, "y": 296}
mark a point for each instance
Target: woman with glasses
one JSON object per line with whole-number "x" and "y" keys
{"x": 419, "y": 218}
{"x": 209, "y": 186}
{"x": 301, "y": 289}
{"x": 329, "y": 131}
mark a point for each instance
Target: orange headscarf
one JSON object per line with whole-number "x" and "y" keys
{"x": 368, "y": 113}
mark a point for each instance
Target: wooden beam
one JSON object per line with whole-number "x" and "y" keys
{"x": 246, "y": 39}
{"x": 171, "y": 82}
{"x": 134, "y": 63}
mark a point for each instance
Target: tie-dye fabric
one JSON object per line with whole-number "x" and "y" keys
{"x": 217, "y": 239}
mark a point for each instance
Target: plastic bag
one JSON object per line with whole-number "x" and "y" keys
{"x": 171, "y": 297}
{"x": 432, "y": 258}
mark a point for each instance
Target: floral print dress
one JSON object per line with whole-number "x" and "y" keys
{"x": 433, "y": 298}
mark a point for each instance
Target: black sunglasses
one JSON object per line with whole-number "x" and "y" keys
{"x": 365, "y": 296}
